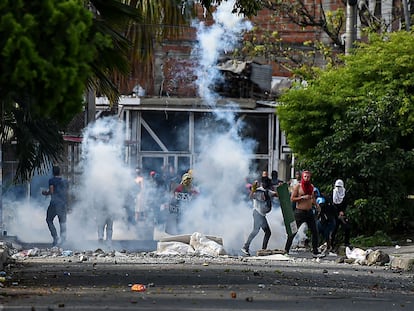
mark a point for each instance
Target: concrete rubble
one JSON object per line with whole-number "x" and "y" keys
{"x": 200, "y": 247}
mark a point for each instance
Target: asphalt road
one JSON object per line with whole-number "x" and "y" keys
{"x": 200, "y": 283}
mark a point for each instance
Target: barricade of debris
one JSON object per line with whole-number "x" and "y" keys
{"x": 196, "y": 243}
{"x": 198, "y": 247}
{"x": 367, "y": 257}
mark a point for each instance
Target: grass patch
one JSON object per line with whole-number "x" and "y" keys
{"x": 379, "y": 238}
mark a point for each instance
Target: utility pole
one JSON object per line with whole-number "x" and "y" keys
{"x": 2, "y": 138}
{"x": 406, "y": 16}
{"x": 90, "y": 106}
{"x": 351, "y": 22}
{"x": 1, "y": 186}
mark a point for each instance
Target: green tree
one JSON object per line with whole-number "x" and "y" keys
{"x": 46, "y": 48}
{"x": 245, "y": 7}
{"x": 355, "y": 122}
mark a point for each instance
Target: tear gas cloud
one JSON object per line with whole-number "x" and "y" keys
{"x": 103, "y": 186}
{"x": 105, "y": 182}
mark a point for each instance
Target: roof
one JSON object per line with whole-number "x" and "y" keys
{"x": 186, "y": 104}
{"x": 196, "y": 104}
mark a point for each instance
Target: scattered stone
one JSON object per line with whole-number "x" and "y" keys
{"x": 377, "y": 257}
{"x": 403, "y": 263}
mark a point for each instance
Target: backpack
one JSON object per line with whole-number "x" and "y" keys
{"x": 262, "y": 200}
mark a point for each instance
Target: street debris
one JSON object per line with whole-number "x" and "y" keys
{"x": 367, "y": 257}
{"x": 138, "y": 288}
{"x": 196, "y": 248}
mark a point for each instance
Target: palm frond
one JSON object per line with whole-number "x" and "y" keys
{"x": 40, "y": 143}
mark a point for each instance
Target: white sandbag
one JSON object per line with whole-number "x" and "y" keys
{"x": 356, "y": 253}
{"x": 185, "y": 238}
{"x": 174, "y": 248}
{"x": 204, "y": 246}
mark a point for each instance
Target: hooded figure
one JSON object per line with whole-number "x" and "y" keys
{"x": 338, "y": 192}
{"x": 340, "y": 204}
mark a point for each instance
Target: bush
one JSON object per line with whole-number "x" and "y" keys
{"x": 379, "y": 238}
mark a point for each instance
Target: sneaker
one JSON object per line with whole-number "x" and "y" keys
{"x": 245, "y": 251}
{"x": 318, "y": 255}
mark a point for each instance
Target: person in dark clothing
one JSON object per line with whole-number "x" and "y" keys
{"x": 105, "y": 224}
{"x": 265, "y": 181}
{"x": 327, "y": 219}
{"x": 275, "y": 183}
{"x": 58, "y": 205}
{"x": 340, "y": 204}
{"x": 275, "y": 179}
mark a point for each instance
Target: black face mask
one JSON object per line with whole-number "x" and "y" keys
{"x": 265, "y": 182}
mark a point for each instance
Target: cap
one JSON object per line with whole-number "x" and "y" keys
{"x": 320, "y": 200}
{"x": 186, "y": 176}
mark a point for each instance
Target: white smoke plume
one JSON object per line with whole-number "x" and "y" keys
{"x": 105, "y": 181}
{"x": 212, "y": 42}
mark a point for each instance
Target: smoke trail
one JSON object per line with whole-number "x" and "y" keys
{"x": 221, "y": 37}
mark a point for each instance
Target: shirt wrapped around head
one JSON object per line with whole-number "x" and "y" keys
{"x": 306, "y": 185}
{"x": 339, "y": 191}
{"x": 186, "y": 179}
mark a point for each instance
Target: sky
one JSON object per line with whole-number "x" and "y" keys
{"x": 106, "y": 182}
